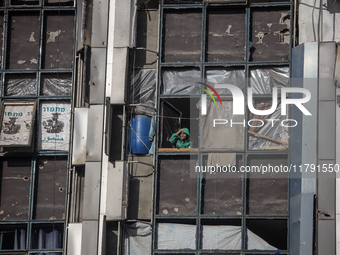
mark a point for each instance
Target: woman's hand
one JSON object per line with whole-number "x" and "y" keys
{"x": 179, "y": 131}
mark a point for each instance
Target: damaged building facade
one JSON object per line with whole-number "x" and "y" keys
{"x": 91, "y": 92}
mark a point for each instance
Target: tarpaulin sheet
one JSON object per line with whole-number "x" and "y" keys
{"x": 176, "y": 236}
{"x": 230, "y": 77}
{"x": 143, "y": 91}
{"x": 271, "y": 128}
{"x": 180, "y": 82}
{"x": 222, "y": 136}
{"x": 137, "y": 238}
{"x": 262, "y": 81}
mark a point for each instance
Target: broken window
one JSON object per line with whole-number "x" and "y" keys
{"x": 59, "y": 84}
{"x": 58, "y": 40}
{"x": 225, "y": 135}
{"x": 182, "y": 37}
{"x": 47, "y": 236}
{"x": 232, "y": 76}
{"x": 218, "y": 200}
{"x": 263, "y": 234}
{"x": 180, "y": 81}
{"x": 177, "y": 189}
{"x": 226, "y": 35}
{"x": 268, "y": 193}
{"x": 270, "y": 34}
{"x": 262, "y": 81}
{"x": 17, "y": 124}
{"x": 14, "y": 201}
{"x": 54, "y": 126}
{"x": 23, "y": 40}
{"x": 13, "y": 237}
{"x": 50, "y": 189}
{"x": 20, "y": 85}
{"x": 268, "y": 132}
{"x": 177, "y": 113}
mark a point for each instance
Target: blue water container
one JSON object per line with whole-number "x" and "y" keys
{"x": 139, "y": 142}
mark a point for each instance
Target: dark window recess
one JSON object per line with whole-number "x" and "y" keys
{"x": 217, "y": 199}
{"x": 270, "y": 34}
{"x": 13, "y": 237}
{"x": 267, "y": 193}
{"x": 20, "y": 85}
{"x": 56, "y": 84}
{"x": 47, "y": 236}
{"x": 112, "y": 234}
{"x": 24, "y": 2}
{"x": 50, "y": 189}
{"x": 182, "y": 37}
{"x": 274, "y": 232}
{"x": 226, "y": 35}
{"x": 15, "y": 185}
{"x": 175, "y": 114}
{"x": 59, "y": 2}
{"x": 177, "y": 189}
{"x": 23, "y": 41}
{"x": 58, "y": 41}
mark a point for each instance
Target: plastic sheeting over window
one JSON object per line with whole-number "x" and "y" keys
{"x": 270, "y": 133}
{"x": 21, "y": 85}
{"x": 143, "y": 90}
{"x": 56, "y": 84}
{"x": 262, "y": 81}
{"x": 137, "y": 238}
{"x": 176, "y": 236}
{"x": 180, "y": 82}
{"x": 222, "y": 136}
{"x": 234, "y": 77}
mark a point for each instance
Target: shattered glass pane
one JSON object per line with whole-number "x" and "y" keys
{"x": 20, "y": 85}
{"x": 56, "y": 84}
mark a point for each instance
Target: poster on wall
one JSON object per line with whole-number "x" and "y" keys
{"x": 54, "y": 126}
{"x": 16, "y": 124}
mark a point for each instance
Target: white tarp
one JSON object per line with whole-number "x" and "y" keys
{"x": 222, "y": 237}
{"x": 17, "y": 125}
{"x": 137, "y": 238}
{"x": 54, "y": 128}
{"x": 176, "y": 236}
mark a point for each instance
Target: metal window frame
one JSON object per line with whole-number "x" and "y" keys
{"x": 246, "y": 153}
{"x": 34, "y": 156}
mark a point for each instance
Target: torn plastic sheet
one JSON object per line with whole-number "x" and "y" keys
{"x": 137, "y": 238}
{"x": 175, "y": 236}
{"x": 21, "y": 87}
{"x": 181, "y": 82}
{"x": 231, "y": 77}
{"x": 263, "y": 80}
{"x": 143, "y": 91}
{"x": 222, "y": 136}
{"x": 271, "y": 128}
{"x": 56, "y": 85}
